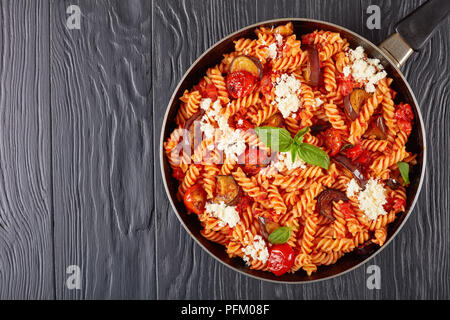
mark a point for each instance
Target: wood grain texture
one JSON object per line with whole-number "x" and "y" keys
{"x": 416, "y": 264}
{"x": 26, "y": 258}
{"x": 184, "y": 270}
{"x": 80, "y": 181}
{"x": 103, "y": 150}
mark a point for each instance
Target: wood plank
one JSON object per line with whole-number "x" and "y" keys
{"x": 102, "y": 150}
{"x": 342, "y": 13}
{"x": 26, "y": 257}
{"x": 415, "y": 264}
{"x": 186, "y": 271}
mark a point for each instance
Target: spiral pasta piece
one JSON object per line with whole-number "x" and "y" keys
{"x": 190, "y": 105}
{"x": 307, "y": 200}
{"x": 241, "y": 104}
{"x": 308, "y": 234}
{"x": 289, "y": 64}
{"x": 189, "y": 180}
{"x": 375, "y": 145}
{"x": 385, "y": 161}
{"x": 360, "y": 124}
{"x": 246, "y": 46}
{"x": 209, "y": 179}
{"x": 329, "y": 79}
{"x": 250, "y": 187}
{"x": 335, "y": 117}
{"x": 215, "y": 75}
{"x": 276, "y": 200}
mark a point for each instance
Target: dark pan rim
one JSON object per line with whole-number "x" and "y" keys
{"x": 361, "y": 39}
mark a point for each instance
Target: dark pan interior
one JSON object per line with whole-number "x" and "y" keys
{"x": 416, "y": 145}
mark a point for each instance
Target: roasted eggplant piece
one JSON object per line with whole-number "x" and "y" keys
{"x": 325, "y": 202}
{"x": 377, "y": 129}
{"x": 353, "y": 103}
{"x": 227, "y": 190}
{"x": 267, "y": 227}
{"x": 312, "y": 71}
{"x": 351, "y": 170}
{"x": 195, "y": 199}
{"x": 319, "y": 128}
{"x": 392, "y": 183}
{"x": 247, "y": 63}
{"x": 274, "y": 121}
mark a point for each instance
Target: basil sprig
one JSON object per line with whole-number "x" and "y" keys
{"x": 279, "y": 139}
{"x": 280, "y": 235}
{"x": 404, "y": 171}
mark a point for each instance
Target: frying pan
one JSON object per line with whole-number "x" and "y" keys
{"x": 411, "y": 34}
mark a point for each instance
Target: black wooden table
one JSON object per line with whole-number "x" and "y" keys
{"x": 80, "y": 184}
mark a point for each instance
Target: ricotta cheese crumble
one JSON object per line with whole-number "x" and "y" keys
{"x": 366, "y": 70}
{"x": 352, "y": 188}
{"x": 372, "y": 199}
{"x": 287, "y": 88}
{"x": 285, "y": 162}
{"x": 228, "y": 140}
{"x": 272, "y": 51}
{"x": 256, "y": 250}
{"x": 226, "y": 214}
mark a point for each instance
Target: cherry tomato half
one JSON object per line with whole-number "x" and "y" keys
{"x": 242, "y": 124}
{"x": 354, "y": 152}
{"x": 347, "y": 210}
{"x": 253, "y": 160}
{"x": 250, "y": 161}
{"x": 399, "y": 204}
{"x": 244, "y": 203}
{"x": 389, "y": 204}
{"x": 266, "y": 84}
{"x": 281, "y": 259}
{"x": 308, "y": 38}
{"x": 240, "y": 83}
{"x": 178, "y": 173}
{"x": 364, "y": 159}
{"x": 404, "y": 116}
{"x": 358, "y": 154}
{"x": 195, "y": 199}
{"x": 208, "y": 90}
{"x": 404, "y": 112}
{"x": 346, "y": 84}
{"x": 333, "y": 140}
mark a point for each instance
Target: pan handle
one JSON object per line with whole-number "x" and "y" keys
{"x": 413, "y": 31}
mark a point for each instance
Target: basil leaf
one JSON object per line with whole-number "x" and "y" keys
{"x": 299, "y": 136}
{"x": 280, "y": 235}
{"x": 404, "y": 171}
{"x": 293, "y": 152}
{"x": 313, "y": 155}
{"x": 277, "y": 139}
